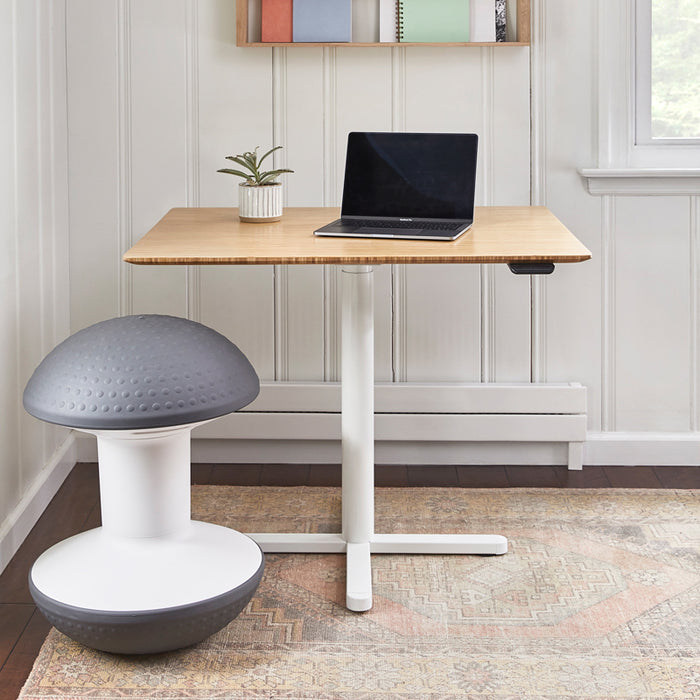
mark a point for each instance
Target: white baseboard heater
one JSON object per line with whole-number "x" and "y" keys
{"x": 417, "y": 413}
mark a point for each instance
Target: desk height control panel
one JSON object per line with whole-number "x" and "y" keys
{"x": 531, "y": 268}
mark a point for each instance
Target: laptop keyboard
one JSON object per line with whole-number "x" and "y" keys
{"x": 429, "y": 225}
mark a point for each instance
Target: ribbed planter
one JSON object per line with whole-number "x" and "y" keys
{"x": 260, "y": 204}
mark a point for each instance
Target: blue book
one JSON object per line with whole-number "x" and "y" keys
{"x": 322, "y": 20}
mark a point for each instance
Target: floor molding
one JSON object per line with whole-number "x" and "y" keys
{"x": 37, "y": 496}
{"x": 599, "y": 449}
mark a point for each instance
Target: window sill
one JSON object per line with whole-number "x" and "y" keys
{"x": 642, "y": 181}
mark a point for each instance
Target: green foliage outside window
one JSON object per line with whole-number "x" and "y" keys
{"x": 675, "y": 60}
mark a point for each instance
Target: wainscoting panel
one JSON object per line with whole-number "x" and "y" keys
{"x": 34, "y": 288}
{"x": 235, "y": 115}
{"x": 573, "y": 303}
{"x": 97, "y": 129}
{"x": 300, "y": 112}
{"x": 298, "y": 117}
{"x": 10, "y": 465}
{"x": 652, "y": 296}
{"x": 157, "y": 159}
{"x": 31, "y": 250}
{"x": 505, "y": 303}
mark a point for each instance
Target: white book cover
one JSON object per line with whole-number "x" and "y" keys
{"x": 482, "y": 20}
{"x": 365, "y": 21}
{"x": 387, "y": 21}
{"x": 512, "y": 20}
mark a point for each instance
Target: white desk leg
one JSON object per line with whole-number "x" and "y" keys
{"x": 358, "y": 540}
{"x": 357, "y": 409}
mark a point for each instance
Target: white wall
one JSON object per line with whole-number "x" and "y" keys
{"x": 34, "y": 265}
{"x": 158, "y": 94}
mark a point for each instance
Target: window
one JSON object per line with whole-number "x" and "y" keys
{"x": 667, "y": 72}
{"x": 648, "y": 98}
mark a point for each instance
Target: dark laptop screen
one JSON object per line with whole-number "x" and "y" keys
{"x": 429, "y": 176}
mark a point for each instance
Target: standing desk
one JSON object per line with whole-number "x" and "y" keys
{"x": 528, "y": 239}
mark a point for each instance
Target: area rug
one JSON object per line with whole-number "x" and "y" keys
{"x": 598, "y": 597}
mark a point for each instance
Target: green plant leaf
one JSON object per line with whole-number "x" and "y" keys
{"x": 272, "y": 174}
{"x": 240, "y": 161}
{"x": 245, "y": 176}
{"x": 272, "y": 150}
{"x": 251, "y": 159}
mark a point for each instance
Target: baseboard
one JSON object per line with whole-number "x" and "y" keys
{"x": 25, "y": 514}
{"x": 603, "y": 449}
{"x": 642, "y": 449}
{"x": 328, "y": 452}
{"x": 599, "y": 449}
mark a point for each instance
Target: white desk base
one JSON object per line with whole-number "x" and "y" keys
{"x": 358, "y": 540}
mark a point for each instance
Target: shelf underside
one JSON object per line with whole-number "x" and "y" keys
{"x": 385, "y": 43}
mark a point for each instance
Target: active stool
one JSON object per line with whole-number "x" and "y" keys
{"x": 150, "y": 579}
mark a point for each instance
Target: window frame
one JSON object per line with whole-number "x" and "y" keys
{"x": 624, "y": 166}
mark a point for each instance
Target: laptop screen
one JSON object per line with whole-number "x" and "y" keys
{"x": 396, "y": 174}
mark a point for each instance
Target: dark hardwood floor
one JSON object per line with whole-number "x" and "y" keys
{"x": 76, "y": 508}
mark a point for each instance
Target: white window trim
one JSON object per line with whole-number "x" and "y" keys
{"x": 643, "y": 181}
{"x": 625, "y": 166}
{"x": 641, "y": 39}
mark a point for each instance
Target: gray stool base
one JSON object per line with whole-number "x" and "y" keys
{"x": 147, "y": 631}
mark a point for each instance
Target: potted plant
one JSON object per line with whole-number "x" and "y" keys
{"x": 260, "y": 195}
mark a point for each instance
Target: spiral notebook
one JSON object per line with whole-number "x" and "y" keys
{"x": 433, "y": 21}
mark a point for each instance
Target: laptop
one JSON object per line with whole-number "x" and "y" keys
{"x": 407, "y": 185}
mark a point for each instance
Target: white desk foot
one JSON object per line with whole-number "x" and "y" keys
{"x": 439, "y": 544}
{"x": 575, "y": 456}
{"x": 359, "y": 577}
{"x": 311, "y": 543}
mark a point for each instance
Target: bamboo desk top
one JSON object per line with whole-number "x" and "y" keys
{"x": 215, "y": 236}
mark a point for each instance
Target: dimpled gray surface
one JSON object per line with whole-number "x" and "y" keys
{"x": 147, "y": 371}
{"x": 147, "y": 631}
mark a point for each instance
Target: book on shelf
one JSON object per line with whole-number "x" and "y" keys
{"x": 512, "y": 20}
{"x": 482, "y": 20}
{"x": 322, "y": 21}
{"x": 365, "y": 21}
{"x": 276, "y": 21}
{"x": 489, "y": 19}
{"x": 387, "y": 21}
{"x": 501, "y": 20}
{"x": 433, "y": 21}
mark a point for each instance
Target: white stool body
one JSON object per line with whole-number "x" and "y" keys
{"x": 148, "y": 554}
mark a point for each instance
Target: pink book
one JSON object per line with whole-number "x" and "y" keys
{"x": 276, "y": 21}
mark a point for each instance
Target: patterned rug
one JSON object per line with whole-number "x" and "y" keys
{"x": 598, "y": 597}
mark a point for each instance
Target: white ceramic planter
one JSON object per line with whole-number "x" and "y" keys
{"x": 260, "y": 204}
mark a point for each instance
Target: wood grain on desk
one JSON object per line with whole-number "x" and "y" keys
{"x": 215, "y": 236}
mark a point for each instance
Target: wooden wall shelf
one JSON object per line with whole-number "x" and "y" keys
{"x": 522, "y": 33}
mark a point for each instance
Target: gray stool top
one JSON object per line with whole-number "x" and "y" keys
{"x": 136, "y": 372}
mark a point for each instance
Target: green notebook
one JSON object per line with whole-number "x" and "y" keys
{"x": 433, "y": 20}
